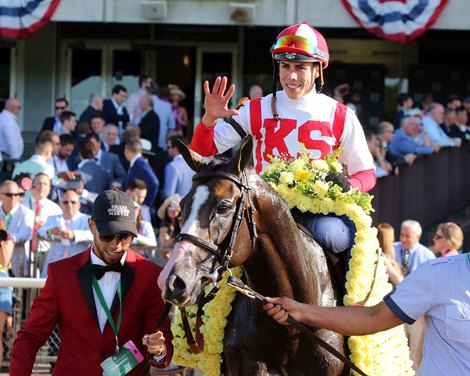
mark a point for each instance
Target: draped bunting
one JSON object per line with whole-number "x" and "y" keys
{"x": 22, "y": 18}
{"x": 397, "y": 20}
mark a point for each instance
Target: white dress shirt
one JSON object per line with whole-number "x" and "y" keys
{"x": 108, "y": 285}
{"x": 11, "y": 141}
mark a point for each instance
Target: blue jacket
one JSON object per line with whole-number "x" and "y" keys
{"x": 142, "y": 170}
{"x": 403, "y": 144}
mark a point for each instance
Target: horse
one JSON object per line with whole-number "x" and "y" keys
{"x": 232, "y": 217}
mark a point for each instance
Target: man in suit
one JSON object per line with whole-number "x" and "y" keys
{"x": 53, "y": 123}
{"x": 149, "y": 123}
{"x": 113, "y": 108}
{"x": 88, "y": 293}
{"x": 95, "y": 178}
{"x": 140, "y": 169}
{"x": 109, "y": 161}
{"x": 110, "y": 136}
{"x": 95, "y": 107}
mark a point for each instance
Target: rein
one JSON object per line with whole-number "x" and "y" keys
{"x": 222, "y": 254}
{"x": 163, "y": 315}
{"x": 238, "y": 285}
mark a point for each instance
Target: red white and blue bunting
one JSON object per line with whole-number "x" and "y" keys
{"x": 22, "y": 18}
{"x": 397, "y": 20}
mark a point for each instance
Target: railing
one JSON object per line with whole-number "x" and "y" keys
{"x": 430, "y": 190}
{"x": 24, "y": 291}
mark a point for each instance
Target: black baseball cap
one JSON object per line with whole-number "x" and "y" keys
{"x": 113, "y": 213}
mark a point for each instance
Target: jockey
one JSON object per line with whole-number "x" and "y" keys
{"x": 280, "y": 122}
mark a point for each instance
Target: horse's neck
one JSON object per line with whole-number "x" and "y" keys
{"x": 282, "y": 263}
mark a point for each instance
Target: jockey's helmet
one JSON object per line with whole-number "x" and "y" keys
{"x": 301, "y": 42}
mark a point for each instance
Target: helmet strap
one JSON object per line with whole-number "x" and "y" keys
{"x": 275, "y": 79}
{"x": 320, "y": 77}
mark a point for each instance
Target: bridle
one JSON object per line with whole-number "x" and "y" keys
{"x": 223, "y": 252}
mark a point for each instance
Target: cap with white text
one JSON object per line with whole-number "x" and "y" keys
{"x": 113, "y": 213}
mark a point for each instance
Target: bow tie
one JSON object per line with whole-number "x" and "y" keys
{"x": 99, "y": 270}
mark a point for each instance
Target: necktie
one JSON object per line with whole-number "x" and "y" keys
{"x": 405, "y": 262}
{"x": 99, "y": 270}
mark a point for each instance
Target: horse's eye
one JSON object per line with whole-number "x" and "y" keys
{"x": 223, "y": 208}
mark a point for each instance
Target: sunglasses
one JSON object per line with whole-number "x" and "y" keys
{"x": 8, "y": 194}
{"x": 123, "y": 237}
{"x": 59, "y": 108}
{"x": 69, "y": 202}
{"x": 437, "y": 236}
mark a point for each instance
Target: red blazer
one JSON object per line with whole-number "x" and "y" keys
{"x": 67, "y": 300}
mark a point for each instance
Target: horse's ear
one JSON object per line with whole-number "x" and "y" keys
{"x": 243, "y": 155}
{"x": 193, "y": 159}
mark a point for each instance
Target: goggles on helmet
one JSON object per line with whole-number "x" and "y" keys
{"x": 289, "y": 47}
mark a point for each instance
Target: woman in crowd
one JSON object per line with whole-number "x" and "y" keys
{"x": 386, "y": 236}
{"x": 447, "y": 240}
{"x": 179, "y": 112}
{"x": 146, "y": 239}
{"x": 169, "y": 213}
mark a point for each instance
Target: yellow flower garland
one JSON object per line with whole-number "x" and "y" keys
{"x": 301, "y": 182}
{"x": 213, "y": 329}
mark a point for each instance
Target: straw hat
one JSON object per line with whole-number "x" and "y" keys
{"x": 146, "y": 146}
{"x": 173, "y": 201}
{"x": 174, "y": 89}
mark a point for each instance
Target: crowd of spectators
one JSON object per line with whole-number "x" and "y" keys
{"x": 132, "y": 146}
{"x": 417, "y": 131}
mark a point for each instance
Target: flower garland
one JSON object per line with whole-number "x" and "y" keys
{"x": 213, "y": 329}
{"x": 302, "y": 183}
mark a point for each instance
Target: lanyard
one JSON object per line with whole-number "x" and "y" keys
{"x": 106, "y": 309}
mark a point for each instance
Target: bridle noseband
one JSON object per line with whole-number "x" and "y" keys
{"x": 224, "y": 254}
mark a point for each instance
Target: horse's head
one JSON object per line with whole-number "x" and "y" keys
{"x": 212, "y": 213}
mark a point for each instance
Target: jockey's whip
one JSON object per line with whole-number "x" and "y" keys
{"x": 238, "y": 285}
{"x": 163, "y": 315}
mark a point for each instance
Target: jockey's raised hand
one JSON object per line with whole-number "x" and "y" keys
{"x": 216, "y": 101}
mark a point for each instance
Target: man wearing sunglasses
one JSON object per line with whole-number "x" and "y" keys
{"x": 67, "y": 232}
{"x": 284, "y": 120}
{"x": 53, "y": 123}
{"x": 101, "y": 299}
{"x": 19, "y": 223}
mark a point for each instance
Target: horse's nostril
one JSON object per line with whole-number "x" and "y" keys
{"x": 176, "y": 283}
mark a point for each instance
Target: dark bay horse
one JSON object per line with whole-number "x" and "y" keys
{"x": 277, "y": 258}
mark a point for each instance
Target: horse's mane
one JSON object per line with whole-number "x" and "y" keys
{"x": 303, "y": 246}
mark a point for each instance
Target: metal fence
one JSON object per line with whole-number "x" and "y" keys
{"x": 24, "y": 292}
